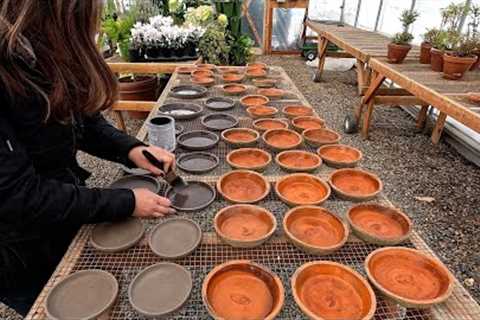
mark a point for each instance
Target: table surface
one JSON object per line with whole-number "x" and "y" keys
{"x": 277, "y": 254}
{"x": 362, "y": 44}
{"x": 448, "y": 96}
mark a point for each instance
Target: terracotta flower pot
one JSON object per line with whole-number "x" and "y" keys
{"x": 240, "y": 137}
{"x": 243, "y": 186}
{"x": 234, "y": 89}
{"x": 258, "y": 112}
{"x": 241, "y": 289}
{"x": 307, "y": 122}
{"x": 425, "y": 48}
{"x": 455, "y": 67}
{"x": 315, "y": 230}
{"x": 244, "y": 225}
{"x": 379, "y": 224}
{"x": 254, "y": 100}
{"x": 320, "y": 137}
{"x": 263, "y": 125}
{"x": 282, "y": 139}
{"x": 298, "y": 161}
{"x": 329, "y": 290}
{"x": 249, "y": 159}
{"x": 300, "y": 189}
{"x": 355, "y": 184}
{"x": 340, "y": 155}
{"x": 139, "y": 88}
{"x": 409, "y": 277}
{"x": 397, "y": 52}
{"x": 294, "y": 111}
{"x": 436, "y": 59}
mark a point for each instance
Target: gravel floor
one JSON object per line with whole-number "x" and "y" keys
{"x": 407, "y": 162}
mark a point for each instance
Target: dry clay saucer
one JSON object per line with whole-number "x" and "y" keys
{"x": 117, "y": 236}
{"x": 175, "y": 238}
{"x": 137, "y": 181}
{"x": 219, "y": 121}
{"x": 196, "y": 196}
{"x": 197, "y": 140}
{"x": 160, "y": 290}
{"x": 85, "y": 294}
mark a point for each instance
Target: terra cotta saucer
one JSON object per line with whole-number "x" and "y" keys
{"x": 307, "y": 122}
{"x": 340, "y": 155}
{"x": 355, "y": 184}
{"x": 272, "y": 93}
{"x": 321, "y": 136}
{"x": 242, "y": 290}
{"x": 232, "y": 77}
{"x": 298, "y": 161}
{"x": 379, "y": 224}
{"x": 261, "y": 112}
{"x": 243, "y": 186}
{"x": 244, "y": 225}
{"x": 240, "y": 137}
{"x": 315, "y": 229}
{"x": 265, "y": 124}
{"x": 249, "y": 159}
{"x": 234, "y": 89}
{"x": 329, "y": 290}
{"x": 302, "y": 189}
{"x": 254, "y": 100}
{"x": 202, "y": 73}
{"x": 282, "y": 139}
{"x": 294, "y": 111}
{"x": 409, "y": 277}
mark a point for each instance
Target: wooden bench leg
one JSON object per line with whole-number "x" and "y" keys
{"x": 361, "y": 76}
{"x": 368, "y": 118}
{"x": 369, "y": 95}
{"x": 437, "y": 130}
{"x": 119, "y": 120}
{"x": 322, "y": 54}
{"x": 422, "y": 117}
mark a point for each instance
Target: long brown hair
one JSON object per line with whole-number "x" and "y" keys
{"x": 48, "y": 47}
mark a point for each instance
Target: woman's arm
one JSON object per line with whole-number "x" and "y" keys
{"x": 26, "y": 198}
{"x": 99, "y": 138}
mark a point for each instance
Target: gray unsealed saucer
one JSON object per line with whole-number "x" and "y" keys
{"x": 197, "y": 140}
{"x": 197, "y": 162}
{"x": 137, "y": 181}
{"x": 83, "y": 295}
{"x": 196, "y": 196}
{"x": 219, "y": 121}
{"x": 175, "y": 238}
{"x": 117, "y": 236}
{"x": 160, "y": 290}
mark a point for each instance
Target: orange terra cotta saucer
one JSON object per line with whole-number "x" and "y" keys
{"x": 244, "y": 225}
{"x": 302, "y": 189}
{"x": 240, "y": 136}
{"x": 409, "y": 277}
{"x": 315, "y": 229}
{"x": 307, "y": 122}
{"x": 329, "y": 290}
{"x": 282, "y": 139}
{"x": 321, "y": 136}
{"x": 272, "y": 93}
{"x": 294, "y": 111}
{"x": 379, "y": 224}
{"x": 340, "y": 155}
{"x": 263, "y": 125}
{"x": 261, "y": 111}
{"x": 243, "y": 186}
{"x": 298, "y": 161}
{"x": 232, "y": 77}
{"x": 254, "y": 100}
{"x": 249, "y": 159}
{"x": 234, "y": 89}
{"x": 242, "y": 290}
{"x": 202, "y": 74}
{"x": 355, "y": 184}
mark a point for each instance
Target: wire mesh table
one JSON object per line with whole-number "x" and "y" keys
{"x": 277, "y": 254}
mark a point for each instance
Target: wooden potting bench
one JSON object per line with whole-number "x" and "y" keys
{"x": 278, "y": 254}
{"x": 426, "y": 88}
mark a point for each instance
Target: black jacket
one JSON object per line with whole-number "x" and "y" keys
{"x": 43, "y": 199}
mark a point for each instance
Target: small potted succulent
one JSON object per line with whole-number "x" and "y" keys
{"x": 400, "y": 45}
{"x": 459, "y": 60}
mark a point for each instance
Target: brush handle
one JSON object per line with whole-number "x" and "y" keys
{"x": 153, "y": 160}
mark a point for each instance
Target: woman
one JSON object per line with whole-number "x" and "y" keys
{"x": 53, "y": 86}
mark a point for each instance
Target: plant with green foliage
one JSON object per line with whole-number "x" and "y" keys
{"x": 201, "y": 16}
{"x": 408, "y": 17}
{"x": 452, "y": 16}
{"x": 213, "y": 46}
{"x": 119, "y": 31}
{"x": 474, "y": 20}
{"x": 240, "y": 50}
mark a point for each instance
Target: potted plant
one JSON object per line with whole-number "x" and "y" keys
{"x": 213, "y": 46}
{"x": 426, "y": 45}
{"x": 459, "y": 60}
{"x": 400, "y": 45}
{"x": 438, "y": 41}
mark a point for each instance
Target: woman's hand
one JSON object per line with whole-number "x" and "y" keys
{"x": 150, "y": 205}
{"x": 168, "y": 159}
